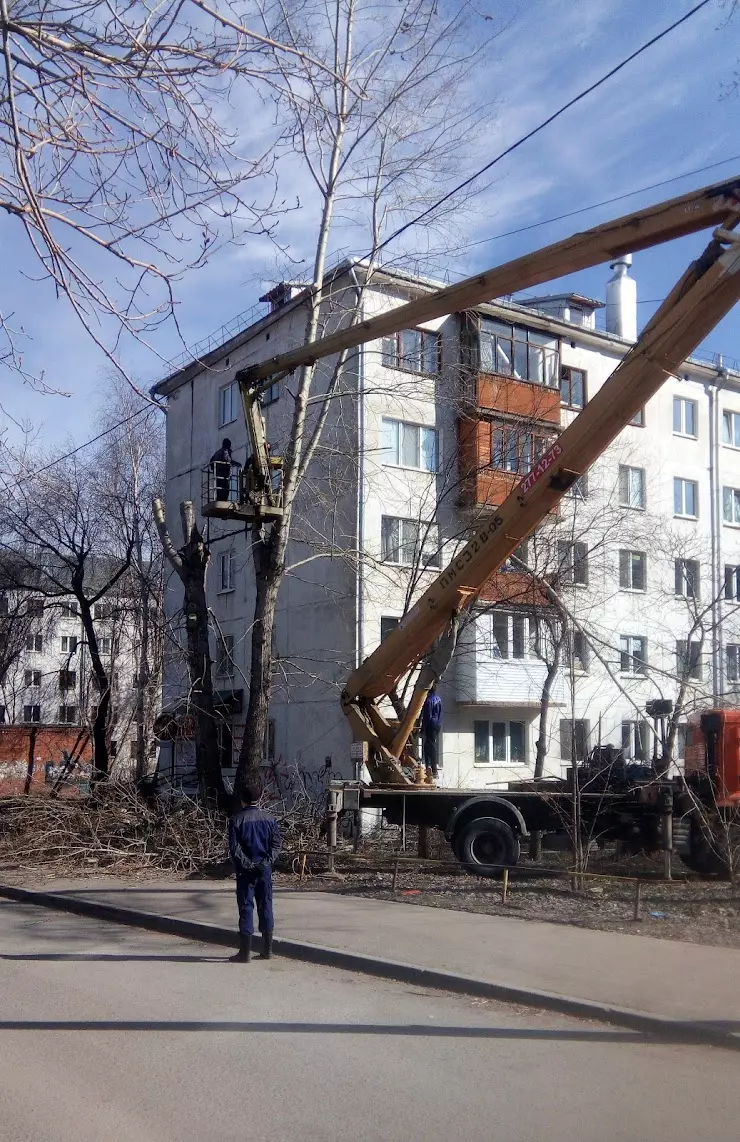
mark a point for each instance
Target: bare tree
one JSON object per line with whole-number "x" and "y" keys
{"x": 118, "y": 155}
{"x": 375, "y": 140}
{"x": 190, "y": 563}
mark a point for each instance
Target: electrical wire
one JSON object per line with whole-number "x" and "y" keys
{"x": 545, "y": 122}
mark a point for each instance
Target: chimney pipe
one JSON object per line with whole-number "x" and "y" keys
{"x": 621, "y": 300}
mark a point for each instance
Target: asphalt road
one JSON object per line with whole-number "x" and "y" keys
{"x": 109, "y": 1034}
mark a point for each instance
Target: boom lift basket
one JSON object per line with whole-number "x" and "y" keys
{"x": 228, "y": 492}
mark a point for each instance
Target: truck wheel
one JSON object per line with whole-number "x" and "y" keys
{"x": 486, "y": 841}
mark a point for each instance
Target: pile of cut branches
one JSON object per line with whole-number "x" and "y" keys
{"x": 118, "y": 830}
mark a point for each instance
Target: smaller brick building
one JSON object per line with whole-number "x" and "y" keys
{"x": 32, "y": 757}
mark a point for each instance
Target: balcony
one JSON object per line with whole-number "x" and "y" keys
{"x": 505, "y": 682}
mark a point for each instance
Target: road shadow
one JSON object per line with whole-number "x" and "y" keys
{"x": 112, "y": 957}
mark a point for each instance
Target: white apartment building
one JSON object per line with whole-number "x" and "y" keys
{"x": 49, "y": 680}
{"x": 428, "y": 430}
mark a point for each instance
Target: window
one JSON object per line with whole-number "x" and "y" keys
{"x": 228, "y": 403}
{"x": 270, "y": 741}
{"x": 632, "y": 654}
{"x": 681, "y": 733}
{"x": 34, "y": 642}
{"x": 572, "y": 387}
{"x": 271, "y": 394}
{"x": 104, "y": 645}
{"x": 407, "y": 541}
{"x": 34, "y": 607}
{"x": 103, "y": 611}
{"x": 731, "y": 505}
{"x": 387, "y": 624}
{"x": 636, "y": 740}
{"x": 416, "y": 350}
{"x": 68, "y": 610}
{"x": 521, "y": 353}
{"x": 687, "y": 578}
{"x": 31, "y": 713}
{"x": 497, "y": 742}
{"x": 685, "y": 497}
{"x": 2, "y": 715}
{"x": 574, "y": 739}
{"x": 639, "y": 418}
{"x": 732, "y": 582}
{"x": 225, "y": 746}
{"x": 226, "y": 571}
{"x": 513, "y": 563}
{"x": 578, "y": 490}
{"x": 573, "y": 564}
{"x": 31, "y": 678}
{"x": 731, "y": 429}
{"x": 688, "y": 658}
{"x": 67, "y": 679}
{"x": 632, "y": 570}
{"x": 631, "y": 486}
{"x": 514, "y": 450}
{"x": 410, "y": 445}
{"x": 3, "y": 604}
{"x": 732, "y": 662}
{"x": 225, "y": 664}
{"x": 684, "y": 417}
{"x": 68, "y": 714}
{"x": 507, "y": 635}
{"x": 69, "y": 643}
{"x": 577, "y": 647}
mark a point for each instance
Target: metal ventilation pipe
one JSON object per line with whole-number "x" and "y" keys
{"x": 621, "y": 300}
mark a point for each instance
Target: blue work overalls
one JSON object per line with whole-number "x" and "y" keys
{"x": 254, "y": 843}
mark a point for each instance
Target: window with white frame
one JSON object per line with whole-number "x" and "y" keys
{"x": 688, "y": 658}
{"x": 574, "y": 735}
{"x": 31, "y": 713}
{"x": 686, "y": 573}
{"x": 517, "y": 558}
{"x": 578, "y": 490}
{"x": 34, "y": 642}
{"x": 638, "y": 420}
{"x": 636, "y": 739}
{"x": 632, "y": 654}
{"x": 409, "y": 542}
{"x": 410, "y": 445}
{"x": 499, "y": 743}
{"x": 226, "y": 570}
{"x": 732, "y": 582}
{"x": 225, "y": 663}
{"x": 105, "y": 645}
{"x": 684, "y": 417}
{"x": 731, "y": 505}
{"x": 685, "y": 497}
{"x": 69, "y": 643}
{"x": 68, "y": 714}
{"x": 507, "y": 635}
{"x": 68, "y": 610}
{"x": 572, "y": 387}
{"x": 414, "y": 350}
{"x": 228, "y": 404}
{"x": 573, "y": 563}
{"x": 514, "y": 351}
{"x": 577, "y": 649}
{"x": 631, "y": 486}
{"x": 632, "y": 570}
{"x": 516, "y": 450}
{"x": 731, "y": 428}
{"x": 387, "y": 624}
{"x": 732, "y": 662}
{"x": 270, "y": 394}
{"x": 31, "y": 678}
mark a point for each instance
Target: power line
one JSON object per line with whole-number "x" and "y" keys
{"x": 545, "y": 123}
{"x": 86, "y": 444}
{"x": 604, "y": 202}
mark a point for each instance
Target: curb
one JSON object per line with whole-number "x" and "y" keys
{"x": 656, "y": 1026}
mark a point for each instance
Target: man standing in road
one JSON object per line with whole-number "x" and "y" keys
{"x": 254, "y": 843}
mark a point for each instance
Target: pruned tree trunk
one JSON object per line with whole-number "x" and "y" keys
{"x": 190, "y": 563}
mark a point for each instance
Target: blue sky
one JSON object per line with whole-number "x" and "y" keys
{"x": 666, "y": 114}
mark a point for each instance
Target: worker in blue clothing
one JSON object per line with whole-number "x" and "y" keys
{"x": 254, "y": 843}
{"x": 431, "y": 724}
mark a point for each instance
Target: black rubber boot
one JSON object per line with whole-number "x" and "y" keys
{"x": 244, "y": 954}
{"x": 266, "y": 953}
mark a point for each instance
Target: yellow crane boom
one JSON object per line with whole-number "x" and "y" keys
{"x": 705, "y": 293}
